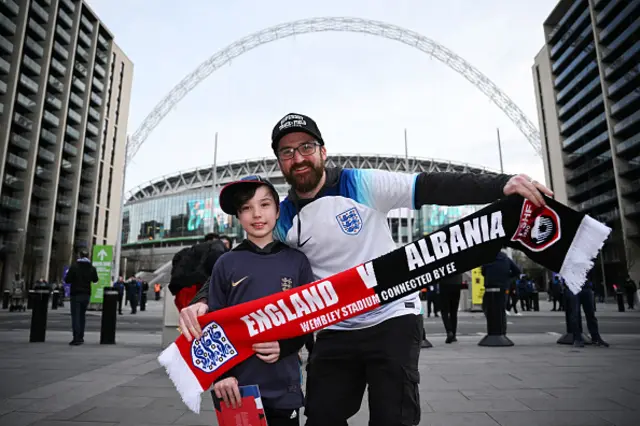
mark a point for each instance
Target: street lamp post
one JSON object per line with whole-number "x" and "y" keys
{"x": 121, "y": 216}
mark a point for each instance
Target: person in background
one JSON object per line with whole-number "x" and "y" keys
{"x": 586, "y": 300}
{"x": 512, "y": 298}
{"x": 144, "y": 288}
{"x": 80, "y": 276}
{"x": 191, "y": 268}
{"x": 132, "y": 289}
{"x": 227, "y": 242}
{"x": 156, "y": 289}
{"x": 556, "y": 292}
{"x": 499, "y": 274}
{"x": 120, "y": 286}
{"x": 450, "y": 288}
{"x": 521, "y": 284}
{"x": 630, "y": 290}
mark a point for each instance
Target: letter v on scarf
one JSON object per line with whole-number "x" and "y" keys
{"x": 555, "y": 236}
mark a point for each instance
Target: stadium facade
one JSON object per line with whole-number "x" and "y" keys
{"x": 587, "y": 86}
{"x": 177, "y": 210}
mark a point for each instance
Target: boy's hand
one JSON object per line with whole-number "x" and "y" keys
{"x": 227, "y": 390}
{"x": 188, "y": 322}
{"x": 269, "y": 352}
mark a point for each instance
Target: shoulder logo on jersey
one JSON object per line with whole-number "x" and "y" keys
{"x": 212, "y": 350}
{"x": 350, "y": 221}
{"x": 286, "y": 283}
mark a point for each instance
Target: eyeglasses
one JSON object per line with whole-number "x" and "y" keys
{"x": 306, "y": 149}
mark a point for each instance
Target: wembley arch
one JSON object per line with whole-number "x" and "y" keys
{"x": 327, "y": 24}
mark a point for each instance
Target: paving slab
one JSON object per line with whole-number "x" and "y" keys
{"x": 535, "y": 382}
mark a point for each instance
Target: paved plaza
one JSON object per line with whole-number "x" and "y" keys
{"x": 536, "y": 382}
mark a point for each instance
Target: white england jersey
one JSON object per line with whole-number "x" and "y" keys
{"x": 346, "y": 225}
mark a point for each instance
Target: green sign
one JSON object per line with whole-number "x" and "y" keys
{"x": 103, "y": 261}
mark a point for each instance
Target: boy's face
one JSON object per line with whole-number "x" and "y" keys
{"x": 258, "y": 215}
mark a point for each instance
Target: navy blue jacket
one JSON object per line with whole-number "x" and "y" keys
{"x": 247, "y": 273}
{"x": 500, "y": 272}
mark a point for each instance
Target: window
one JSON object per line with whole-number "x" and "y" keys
{"x": 106, "y": 223}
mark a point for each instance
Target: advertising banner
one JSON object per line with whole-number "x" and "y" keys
{"x": 103, "y": 261}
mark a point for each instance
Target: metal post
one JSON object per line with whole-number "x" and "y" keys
{"x": 214, "y": 175}
{"x": 604, "y": 276}
{"x": 500, "y": 150}
{"x": 406, "y": 164}
{"x": 121, "y": 216}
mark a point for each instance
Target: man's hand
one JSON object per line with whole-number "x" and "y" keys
{"x": 269, "y": 352}
{"x": 188, "y": 322}
{"x": 227, "y": 390}
{"x": 528, "y": 188}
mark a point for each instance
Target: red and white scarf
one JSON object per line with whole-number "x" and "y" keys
{"x": 555, "y": 236}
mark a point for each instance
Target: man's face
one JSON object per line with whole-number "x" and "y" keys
{"x": 302, "y": 172}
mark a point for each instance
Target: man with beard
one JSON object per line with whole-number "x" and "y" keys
{"x": 338, "y": 218}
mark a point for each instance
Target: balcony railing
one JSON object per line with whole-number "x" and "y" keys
{"x": 36, "y": 49}
{"x": 70, "y": 149}
{"x": 56, "y": 84}
{"x": 46, "y": 155}
{"x": 11, "y": 6}
{"x": 21, "y": 142}
{"x": 11, "y": 203}
{"x": 89, "y": 143}
{"x": 17, "y": 162}
{"x": 48, "y": 136}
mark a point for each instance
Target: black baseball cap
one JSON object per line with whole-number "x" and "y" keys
{"x": 294, "y": 122}
{"x": 229, "y": 190}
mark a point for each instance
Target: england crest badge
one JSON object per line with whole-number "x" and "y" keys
{"x": 213, "y": 349}
{"x": 350, "y": 221}
{"x": 286, "y": 283}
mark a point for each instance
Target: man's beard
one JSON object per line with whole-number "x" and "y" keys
{"x": 308, "y": 181}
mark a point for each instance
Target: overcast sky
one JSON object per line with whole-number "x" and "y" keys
{"x": 362, "y": 90}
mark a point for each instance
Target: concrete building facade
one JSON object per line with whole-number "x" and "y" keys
{"x": 64, "y": 103}
{"x": 587, "y": 86}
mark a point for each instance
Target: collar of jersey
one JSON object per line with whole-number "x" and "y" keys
{"x": 273, "y": 247}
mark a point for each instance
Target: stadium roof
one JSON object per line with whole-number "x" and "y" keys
{"x": 201, "y": 177}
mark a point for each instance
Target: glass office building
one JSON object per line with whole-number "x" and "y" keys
{"x": 587, "y": 85}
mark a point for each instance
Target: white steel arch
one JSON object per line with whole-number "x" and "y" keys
{"x": 326, "y": 24}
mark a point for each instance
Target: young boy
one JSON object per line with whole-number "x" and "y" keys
{"x": 257, "y": 267}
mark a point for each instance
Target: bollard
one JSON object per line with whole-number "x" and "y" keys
{"x": 30, "y": 299}
{"x": 108, "y": 323}
{"x": 496, "y": 319}
{"x": 567, "y": 338}
{"x": 5, "y": 299}
{"x": 620, "y": 300}
{"x": 536, "y": 301}
{"x": 54, "y": 299}
{"x": 40, "y": 304}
